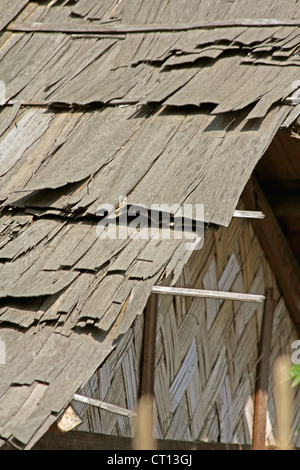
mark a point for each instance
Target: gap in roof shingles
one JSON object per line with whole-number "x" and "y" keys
{"x": 43, "y": 2}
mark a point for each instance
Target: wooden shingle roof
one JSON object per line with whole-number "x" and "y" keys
{"x": 103, "y": 107}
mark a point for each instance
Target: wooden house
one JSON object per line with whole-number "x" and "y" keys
{"x": 130, "y": 104}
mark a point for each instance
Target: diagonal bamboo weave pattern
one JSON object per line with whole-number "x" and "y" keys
{"x": 206, "y": 351}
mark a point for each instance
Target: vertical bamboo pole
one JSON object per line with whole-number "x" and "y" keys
{"x": 261, "y": 395}
{"x": 283, "y": 402}
{"x": 148, "y": 367}
{"x": 143, "y": 438}
{"x": 143, "y": 435}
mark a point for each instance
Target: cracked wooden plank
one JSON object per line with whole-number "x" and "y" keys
{"x": 31, "y": 126}
{"x": 223, "y": 74}
{"x": 8, "y": 115}
{"x": 99, "y": 301}
{"x": 37, "y": 391}
{"x": 149, "y": 262}
{"x": 101, "y": 128}
{"x": 29, "y": 238}
{"x": 35, "y": 157}
{"x": 260, "y": 82}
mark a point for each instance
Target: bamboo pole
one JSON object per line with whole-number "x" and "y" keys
{"x": 143, "y": 435}
{"x": 182, "y": 291}
{"x": 261, "y": 395}
{"x": 105, "y": 406}
{"x": 283, "y": 402}
{"x": 248, "y": 215}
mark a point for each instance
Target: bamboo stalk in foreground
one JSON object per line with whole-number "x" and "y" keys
{"x": 283, "y": 402}
{"x": 143, "y": 435}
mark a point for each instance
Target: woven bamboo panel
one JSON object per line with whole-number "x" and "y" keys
{"x": 206, "y": 351}
{"x": 117, "y": 381}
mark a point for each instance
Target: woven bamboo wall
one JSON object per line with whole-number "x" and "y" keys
{"x": 206, "y": 351}
{"x": 118, "y": 382}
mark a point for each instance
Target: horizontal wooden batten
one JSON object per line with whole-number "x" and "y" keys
{"x": 115, "y": 28}
{"x": 184, "y": 292}
{"x": 105, "y": 406}
{"x": 248, "y": 215}
{"x": 292, "y": 101}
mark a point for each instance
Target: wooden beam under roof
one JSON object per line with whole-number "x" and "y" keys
{"x": 76, "y": 440}
{"x": 285, "y": 204}
{"x": 276, "y": 247}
